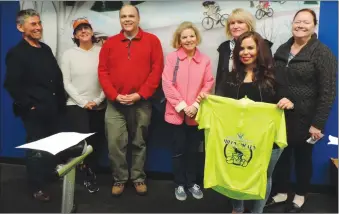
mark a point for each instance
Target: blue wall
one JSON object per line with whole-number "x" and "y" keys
{"x": 328, "y": 34}
{"x": 12, "y": 133}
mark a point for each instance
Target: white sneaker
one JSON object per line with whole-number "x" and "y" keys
{"x": 196, "y": 192}
{"x": 180, "y": 193}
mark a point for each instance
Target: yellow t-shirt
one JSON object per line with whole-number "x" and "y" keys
{"x": 239, "y": 136}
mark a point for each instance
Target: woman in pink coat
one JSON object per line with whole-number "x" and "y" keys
{"x": 187, "y": 74}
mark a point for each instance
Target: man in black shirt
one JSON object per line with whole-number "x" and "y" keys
{"x": 34, "y": 81}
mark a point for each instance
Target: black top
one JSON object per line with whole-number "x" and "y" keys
{"x": 230, "y": 88}
{"x": 310, "y": 77}
{"x": 33, "y": 78}
{"x": 250, "y": 91}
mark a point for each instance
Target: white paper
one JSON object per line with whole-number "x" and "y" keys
{"x": 56, "y": 143}
{"x": 332, "y": 140}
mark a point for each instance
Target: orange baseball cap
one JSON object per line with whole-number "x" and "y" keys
{"x": 78, "y": 22}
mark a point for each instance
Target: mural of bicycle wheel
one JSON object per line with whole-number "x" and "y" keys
{"x": 208, "y": 22}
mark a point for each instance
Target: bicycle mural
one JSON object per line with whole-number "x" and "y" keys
{"x": 213, "y": 15}
{"x": 264, "y": 9}
{"x": 162, "y": 18}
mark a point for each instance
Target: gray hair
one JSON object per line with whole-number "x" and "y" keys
{"x": 24, "y": 14}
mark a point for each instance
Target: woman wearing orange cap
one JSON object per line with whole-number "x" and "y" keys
{"x": 86, "y": 100}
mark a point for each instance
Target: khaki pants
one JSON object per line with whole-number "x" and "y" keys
{"x": 124, "y": 124}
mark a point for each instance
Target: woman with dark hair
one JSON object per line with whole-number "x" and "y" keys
{"x": 253, "y": 76}
{"x": 309, "y": 69}
{"x": 85, "y": 104}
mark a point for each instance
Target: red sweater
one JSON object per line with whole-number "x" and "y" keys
{"x": 130, "y": 66}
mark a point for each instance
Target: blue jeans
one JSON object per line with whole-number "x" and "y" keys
{"x": 258, "y": 205}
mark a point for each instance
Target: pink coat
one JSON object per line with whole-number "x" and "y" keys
{"x": 193, "y": 77}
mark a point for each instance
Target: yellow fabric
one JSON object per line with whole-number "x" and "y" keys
{"x": 239, "y": 136}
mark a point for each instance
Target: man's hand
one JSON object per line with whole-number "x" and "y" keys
{"x": 191, "y": 111}
{"x": 315, "y": 133}
{"x": 90, "y": 105}
{"x": 285, "y": 103}
{"x": 135, "y": 97}
{"x": 124, "y": 99}
{"x": 201, "y": 96}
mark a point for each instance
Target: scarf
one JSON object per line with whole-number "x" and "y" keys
{"x": 230, "y": 64}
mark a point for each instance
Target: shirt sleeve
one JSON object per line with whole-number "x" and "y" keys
{"x": 157, "y": 66}
{"x": 208, "y": 80}
{"x": 327, "y": 68}
{"x": 280, "y": 131}
{"x": 171, "y": 93}
{"x": 14, "y": 81}
{"x": 104, "y": 73}
{"x": 204, "y": 114}
{"x": 100, "y": 99}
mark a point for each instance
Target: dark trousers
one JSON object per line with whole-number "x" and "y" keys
{"x": 186, "y": 142}
{"x": 40, "y": 165}
{"x": 302, "y": 155}
{"x": 88, "y": 121}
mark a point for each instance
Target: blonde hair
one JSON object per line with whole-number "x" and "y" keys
{"x": 183, "y": 26}
{"x": 241, "y": 15}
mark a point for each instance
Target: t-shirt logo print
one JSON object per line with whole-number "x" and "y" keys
{"x": 237, "y": 152}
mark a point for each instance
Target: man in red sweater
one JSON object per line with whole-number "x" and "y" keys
{"x": 130, "y": 68}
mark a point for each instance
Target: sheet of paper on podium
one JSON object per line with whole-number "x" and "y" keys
{"x": 56, "y": 143}
{"x": 332, "y": 140}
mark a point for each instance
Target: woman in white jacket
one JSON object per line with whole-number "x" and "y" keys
{"x": 86, "y": 100}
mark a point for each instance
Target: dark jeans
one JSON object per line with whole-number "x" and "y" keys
{"x": 186, "y": 142}
{"x": 88, "y": 121}
{"x": 40, "y": 165}
{"x": 302, "y": 155}
{"x": 124, "y": 124}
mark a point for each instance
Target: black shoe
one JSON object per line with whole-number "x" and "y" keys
{"x": 293, "y": 208}
{"x": 41, "y": 196}
{"x": 91, "y": 186}
{"x": 270, "y": 202}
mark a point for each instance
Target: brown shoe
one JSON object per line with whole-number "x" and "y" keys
{"x": 141, "y": 188}
{"x": 118, "y": 189}
{"x": 41, "y": 196}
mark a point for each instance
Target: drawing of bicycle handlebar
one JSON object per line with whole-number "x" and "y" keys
{"x": 208, "y": 21}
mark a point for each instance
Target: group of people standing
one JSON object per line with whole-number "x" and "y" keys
{"x": 108, "y": 90}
